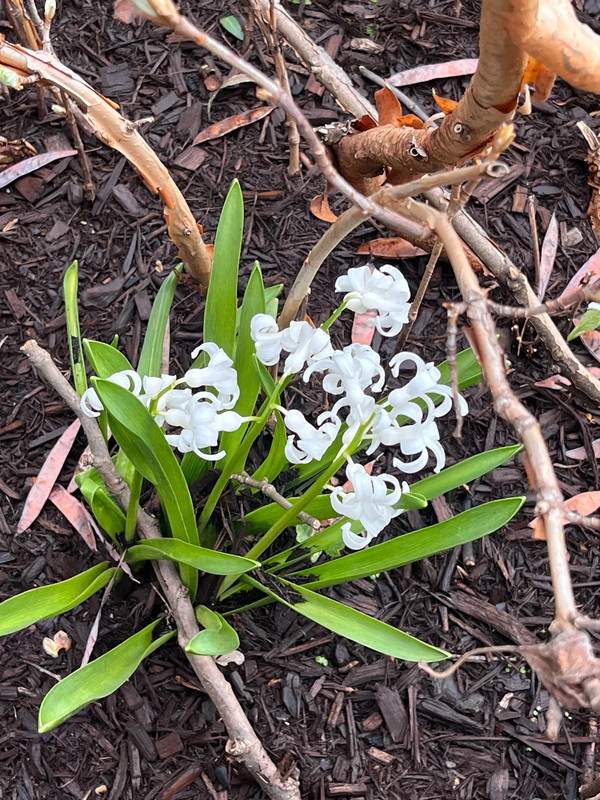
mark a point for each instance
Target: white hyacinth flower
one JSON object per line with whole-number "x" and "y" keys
{"x": 219, "y": 373}
{"x": 305, "y": 345}
{"x": 311, "y": 443}
{"x": 424, "y": 383}
{"x": 385, "y": 290}
{"x": 371, "y": 501}
{"x": 127, "y": 378}
{"x": 201, "y": 421}
{"x": 267, "y": 339}
{"x": 418, "y": 439}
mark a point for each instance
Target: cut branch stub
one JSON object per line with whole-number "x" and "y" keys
{"x": 115, "y": 131}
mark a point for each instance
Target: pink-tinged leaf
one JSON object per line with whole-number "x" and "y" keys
{"x": 92, "y": 639}
{"x": 77, "y": 514}
{"x": 40, "y": 491}
{"x": 363, "y": 327}
{"x": 584, "y": 503}
{"x": 589, "y": 273}
{"x": 591, "y": 341}
{"x": 580, "y": 453}
{"x": 547, "y": 256}
{"x": 28, "y": 165}
{"x": 557, "y": 382}
{"x": 434, "y": 72}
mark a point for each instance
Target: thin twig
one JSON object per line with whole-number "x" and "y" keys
{"x": 454, "y": 310}
{"x": 404, "y": 98}
{"x": 88, "y": 184}
{"x": 271, "y": 492}
{"x": 268, "y": 26}
{"x": 243, "y": 743}
{"x": 478, "y": 651}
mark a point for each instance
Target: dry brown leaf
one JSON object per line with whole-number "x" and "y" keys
{"x": 588, "y": 273}
{"x": 40, "y": 491}
{"x": 445, "y": 103}
{"x": 233, "y": 123}
{"x": 541, "y": 77}
{"x": 388, "y": 106}
{"x": 319, "y": 206}
{"x": 548, "y": 255}
{"x": 365, "y": 123}
{"x": 392, "y": 247}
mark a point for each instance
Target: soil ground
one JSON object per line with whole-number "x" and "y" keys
{"x": 361, "y": 725}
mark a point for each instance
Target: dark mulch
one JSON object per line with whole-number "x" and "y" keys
{"x": 359, "y": 725}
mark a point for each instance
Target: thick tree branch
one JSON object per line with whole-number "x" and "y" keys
{"x": 243, "y": 743}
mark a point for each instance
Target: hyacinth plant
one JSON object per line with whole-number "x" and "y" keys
{"x": 229, "y": 413}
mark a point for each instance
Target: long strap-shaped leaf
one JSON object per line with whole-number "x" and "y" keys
{"x": 25, "y": 609}
{"x": 211, "y": 561}
{"x": 145, "y": 445}
{"x": 465, "y": 527}
{"x": 98, "y": 679}
{"x": 151, "y": 355}
{"x": 353, "y": 624}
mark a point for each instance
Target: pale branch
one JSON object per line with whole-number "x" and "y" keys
{"x": 353, "y": 217}
{"x": 511, "y": 277}
{"x": 549, "y": 31}
{"x": 319, "y": 62}
{"x": 115, "y": 131}
{"x": 243, "y": 743}
{"x": 271, "y": 492}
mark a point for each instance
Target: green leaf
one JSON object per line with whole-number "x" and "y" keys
{"x": 98, "y": 679}
{"x": 70, "y": 286}
{"x": 588, "y": 322}
{"x": 409, "y": 547}
{"x": 104, "y": 358}
{"x": 211, "y": 561}
{"x": 152, "y": 349}
{"x": 25, "y": 609}
{"x": 221, "y": 300}
{"x": 469, "y": 370}
{"x": 264, "y": 376}
{"x": 356, "y": 626}
{"x": 253, "y": 303}
{"x": 464, "y": 472}
{"x": 108, "y": 514}
{"x": 217, "y": 638}
{"x": 276, "y": 460}
{"x": 145, "y": 445}
{"x": 232, "y": 26}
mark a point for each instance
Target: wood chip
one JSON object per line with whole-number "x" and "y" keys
{"x": 169, "y": 745}
{"x": 191, "y": 158}
{"x": 393, "y": 711}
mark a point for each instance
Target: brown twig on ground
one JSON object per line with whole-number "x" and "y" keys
{"x": 88, "y": 184}
{"x": 243, "y": 743}
{"x": 271, "y": 492}
{"x": 268, "y": 26}
{"x": 115, "y": 131}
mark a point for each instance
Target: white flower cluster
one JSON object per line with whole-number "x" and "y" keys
{"x": 202, "y": 416}
{"x": 406, "y": 419}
